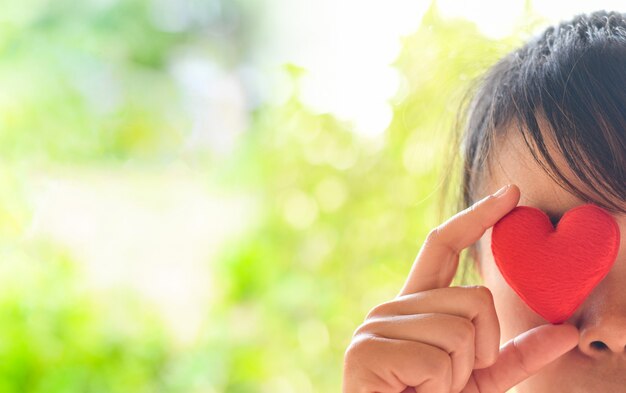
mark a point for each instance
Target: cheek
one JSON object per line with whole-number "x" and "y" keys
{"x": 514, "y": 315}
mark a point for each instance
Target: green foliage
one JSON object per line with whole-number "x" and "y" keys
{"x": 83, "y": 82}
{"x": 342, "y": 217}
{"x": 58, "y": 338}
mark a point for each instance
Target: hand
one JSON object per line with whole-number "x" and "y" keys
{"x": 433, "y": 338}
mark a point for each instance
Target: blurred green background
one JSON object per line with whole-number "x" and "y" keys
{"x": 175, "y": 216}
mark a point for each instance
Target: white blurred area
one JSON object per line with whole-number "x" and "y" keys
{"x": 157, "y": 232}
{"x": 154, "y": 232}
{"x": 347, "y": 46}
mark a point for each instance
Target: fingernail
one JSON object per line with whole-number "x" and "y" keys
{"x": 501, "y": 191}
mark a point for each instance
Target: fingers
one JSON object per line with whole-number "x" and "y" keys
{"x": 398, "y": 364}
{"x": 452, "y": 334}
{"x": 437, "y": 260}
{"x": 472, "y": 303}
{"x": 523, "y": 356}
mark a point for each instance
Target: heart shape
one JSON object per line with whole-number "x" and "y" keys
{"x": 553, "y": 269}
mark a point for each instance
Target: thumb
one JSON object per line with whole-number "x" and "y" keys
{"x": 523, "y": 356}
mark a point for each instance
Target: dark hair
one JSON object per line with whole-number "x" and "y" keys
{"x": 571, "y": 80}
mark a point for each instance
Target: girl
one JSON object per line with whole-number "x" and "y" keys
{"x": 545, "y": 128}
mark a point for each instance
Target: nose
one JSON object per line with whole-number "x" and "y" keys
{"x": 602, "y": 320}
{"x": 606, "y": 336}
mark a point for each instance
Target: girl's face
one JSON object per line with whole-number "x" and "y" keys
{"x": 601, "y": 319}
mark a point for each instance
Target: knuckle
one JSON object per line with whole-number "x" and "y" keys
{"x": 362, "y": 328}
{"x": 369, "y": 326}
{"x": 463, "y": 333}
{"x": 434, "y": 234}
{"x": 441, "y": 366}
{"x": 352, "y": 349}
{"x": 483, "y": 293}
{"x": 359, "y": 346}
{"x": 377, "y": 310}
{"x": 441, "y": 235}
{"x": 522, "y": 361}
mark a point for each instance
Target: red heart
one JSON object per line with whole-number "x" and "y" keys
{"x": 554, "y": 270}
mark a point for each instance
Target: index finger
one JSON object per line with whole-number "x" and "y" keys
{"x": 437, "y": 260}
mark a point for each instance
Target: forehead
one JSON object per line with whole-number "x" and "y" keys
{"x": 512, "y": 162}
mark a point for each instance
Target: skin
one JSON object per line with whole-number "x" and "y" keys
{"x": 602, "y": 317}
